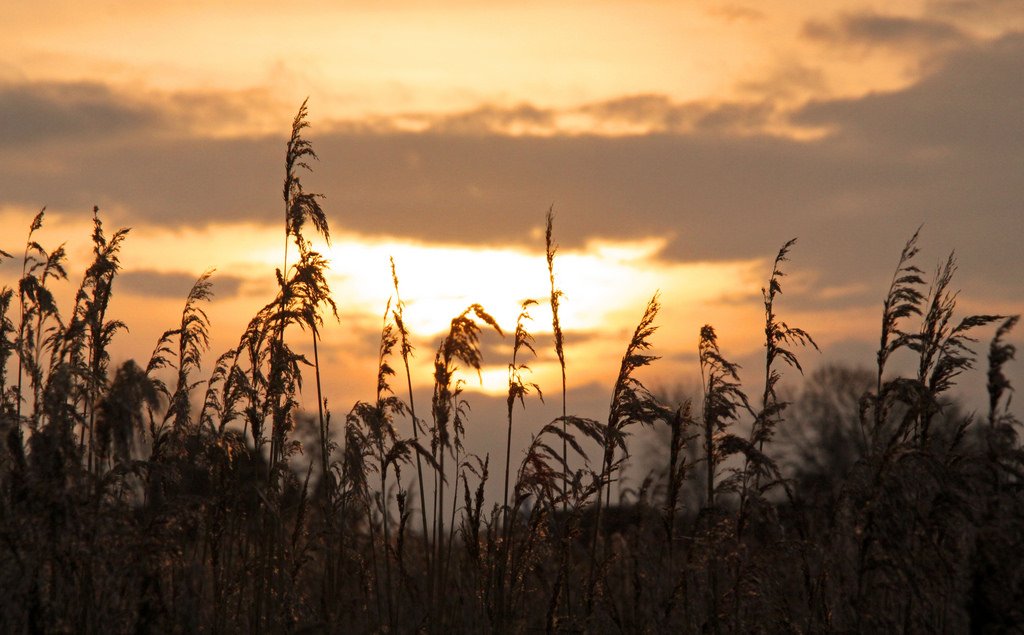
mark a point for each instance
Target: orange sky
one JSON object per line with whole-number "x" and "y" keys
{"x": 387, "y": 58}
{"x": 681, "y": 144}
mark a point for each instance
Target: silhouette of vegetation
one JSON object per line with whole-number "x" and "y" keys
{"x": 147, "y": 499}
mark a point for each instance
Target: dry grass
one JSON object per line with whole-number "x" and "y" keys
{"x": 131, "y": 504}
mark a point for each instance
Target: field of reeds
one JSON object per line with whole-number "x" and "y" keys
{"x": 153, "y": 498}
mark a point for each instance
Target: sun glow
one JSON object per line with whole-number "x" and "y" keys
{"x": 606, "y": 285}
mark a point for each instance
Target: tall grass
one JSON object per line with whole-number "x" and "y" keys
{"x": 148, "y": 499}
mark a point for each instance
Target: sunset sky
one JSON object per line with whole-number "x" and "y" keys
{"x": 680, "y": 143}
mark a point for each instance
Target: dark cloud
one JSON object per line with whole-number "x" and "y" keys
{"x": 169, "y": 181}
{"x": 971, "y": 104}
{"x": 872, "y": 29}
{"x": 986, "y": 10}
{"x": 151, "y": 283}
{"x": 642, "y": 113}
{"x": 944, "y": 152}
{"x": 68, "y": 113}
{"x": 659, "y": 114}
{"x": 735, "y": 117}
{"x": 787, "y": 81}
{"x": 646, "y": 108}
{"x": 89, "y": 112}
{"x": 488, "y": 119}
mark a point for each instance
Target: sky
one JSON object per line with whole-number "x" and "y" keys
{"x": 679, "y": 143}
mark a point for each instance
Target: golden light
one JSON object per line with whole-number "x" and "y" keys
{"x": 606, "y": 285}
{"x": 393, "y": 59}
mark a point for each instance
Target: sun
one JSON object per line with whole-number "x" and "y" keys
{"x": 438, "y": 282}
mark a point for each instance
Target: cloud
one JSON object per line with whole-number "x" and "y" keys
{"x": 653, "y": 113}
{"x": 657, "y": 110}
{"x": 488, "y": 119}
{"x": 32, "y": 113}
{"x": 985, "y": 11}
{"x": 80, "y": 112}
{"x": 898, "y": 32}
{"x": 793, "y": 79}
{"x": 943, "y": 152}
{"x": 173, "y": 285}
{"x": 737, "y": 13}
{"x": 627, "y": 115}
{"x": 68, "y": 112}
{"x": 971, "y": 104}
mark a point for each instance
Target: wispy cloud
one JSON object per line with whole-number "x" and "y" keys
{"x": 895, "y": 31}
{"x": 628, "y": 115}
{"x": 1006, "y": 13}
{"x": 737, "y": 13}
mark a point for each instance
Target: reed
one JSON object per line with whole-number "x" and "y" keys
{"x": 142, "y": 498}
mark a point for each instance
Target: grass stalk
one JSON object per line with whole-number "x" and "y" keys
{"x": 406, "y": 350}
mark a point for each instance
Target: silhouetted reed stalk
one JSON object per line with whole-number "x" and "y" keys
{"x": 943, "y": 353}
{"x": 556, "y": 328}
{"x": 8, "y": 347}
{"x": 677, "y": 468}
{"x": 777, "y": 336}
{"x": 998, "y": 385}
{"x": 538, "y": 478}
{"x": 406, "y": 349}
{"x": 38, "y": 308}
{"x": 902, "y": 300}
{"x": 271, "y": 382}
{"x": 300, "y": 207}
{"x": 517, "y": 391}
{"x": 9, "y": 415}
{"x": 193, "y": 341}
{"x": 312, "y": 296}
{"x": 370, "y": 428}
{"x": 23, "y": 289}
{"x": 631, "y": 403}
{"x": 1002, "y": 432}
{"x": 461, "y": 344}
{"x": 555, "y": 297}
{"x": 943, "y": 349}
{"x": 88, "y": 334}
{"x": 722, "y": 400}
